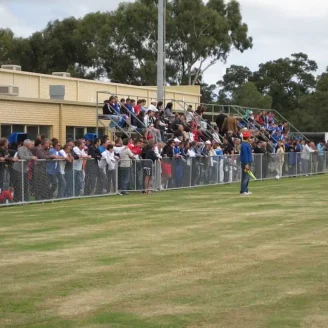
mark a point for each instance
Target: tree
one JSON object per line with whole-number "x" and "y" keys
{"x": 248, "y": 96}
{"x": 208, "y": 93}
{"x": 286, "y": 80}
{"x": 201, "y": 35}
{"x": 6, "y": 46}
{"x": 234, "y": 78}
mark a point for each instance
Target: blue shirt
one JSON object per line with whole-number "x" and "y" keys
{"x": 101, "y": 149}
{"x": 219, "y": 152}
{"x": 246, "y": 153}
{"x": 53, "y": 165}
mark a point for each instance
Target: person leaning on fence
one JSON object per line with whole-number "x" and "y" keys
{"x": 150, "y": 158}
{"x": 20, "y": 178}
{"x": 43, "y": 178}
{"x": 126, "y": 156}
{"x": 5, "y": 159}
{"x": 246, "y": 159}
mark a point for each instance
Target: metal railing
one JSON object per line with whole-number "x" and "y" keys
{"x": 26, "y": 182}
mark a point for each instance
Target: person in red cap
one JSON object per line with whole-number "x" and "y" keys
{"x": 246, "y": 159}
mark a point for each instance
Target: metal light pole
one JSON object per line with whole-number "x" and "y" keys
{"x": 160, "y": 51}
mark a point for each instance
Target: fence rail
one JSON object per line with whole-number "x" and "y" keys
{"x": 25, "y": 182}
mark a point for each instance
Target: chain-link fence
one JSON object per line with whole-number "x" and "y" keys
{"x": 49, "y": 180}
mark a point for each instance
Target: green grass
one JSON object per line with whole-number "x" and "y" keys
{"x": 204, "y": 257}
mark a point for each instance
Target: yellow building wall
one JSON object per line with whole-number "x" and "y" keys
{"x": 58, "y": 115}
{"x": 32, "y": 85}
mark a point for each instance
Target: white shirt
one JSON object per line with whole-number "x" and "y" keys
{"x": 156, "y": 150}
{"x": 118, "y": 150}
{"x": 306, "y": 153}
{"x": 77, "y": 164}
{"x": 108, "y": 158}
{"x": 62, "y": 164}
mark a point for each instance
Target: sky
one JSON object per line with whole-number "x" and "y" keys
{"x": 278, "y": 27}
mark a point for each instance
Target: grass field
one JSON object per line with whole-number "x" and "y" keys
{"x": 195, "y": 258}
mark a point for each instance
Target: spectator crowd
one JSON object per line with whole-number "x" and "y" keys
{"x": 168, "y": 150}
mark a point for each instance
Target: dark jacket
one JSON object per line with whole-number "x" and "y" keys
{"x": 108, "y": 109}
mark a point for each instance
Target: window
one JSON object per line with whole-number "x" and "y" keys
{"x": 46, "y": 130}
{"x": 79, "y": 132}
{"x": 91, "y": 130}
{"x": 32, "y": 132}
{"x": 5, "y": 131}
{"x": 70, "y": 134}
{"x": 18, "y": 128}
{"x": 101, "y": 132}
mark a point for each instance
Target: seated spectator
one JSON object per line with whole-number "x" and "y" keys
{"x": 216, "y": 135}
{"x": 124, "y": 110}
{"x": 110, "y": 110}
{"x": 149, "y": 122}
{"x": 168, "y": 110}
{"x": 137, "y": 108}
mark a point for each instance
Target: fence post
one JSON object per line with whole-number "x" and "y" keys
{"x": 73, "y": 193}
{"x": 261, "y": 161}
{"x": 116, "y": 180}
{"x": 190, "y": 175}
{"x": 135, "y": 175}
{"x": 22, "y": 182}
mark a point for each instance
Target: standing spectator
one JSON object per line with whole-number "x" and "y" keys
{"x": 125, "y": 167}
{"x": 177, "y": 164}
{"x": 306, "y": 158}
{"x": 53, "y": 169}
{"x": 280, "y": 157}
{"x": 77, "y": 167}
{"x": 92, "y": 174}
{"x": 108, "y": 166}
{"x": 314, "y": 158}
{"x": 246, "y": 160}
{"x": 321, "y": 147}
{"x": 292, "y": 160}
{"x": 69, "y": 174}
{"x": 37, "y": 145}
{"x": 21, "y": 171}
{"x": 43, "y": 179}
{"x": 65, "y": 157}
{"x": 150, "y": 159}
{"x": 4, "y": 157}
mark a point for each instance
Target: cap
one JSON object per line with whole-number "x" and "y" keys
{"x": 246, "y": 134}
{"x": 208, "y": 142}
{"x": 177, "y": 140}
{"x": 153, "y": 108}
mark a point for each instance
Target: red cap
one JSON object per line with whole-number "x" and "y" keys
{"x": 246, "y": 135}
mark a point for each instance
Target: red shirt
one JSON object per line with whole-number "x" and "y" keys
{"x": 135, "y": 150}
{"x": 6, "y": 195}
{"x": 137, "y": 109}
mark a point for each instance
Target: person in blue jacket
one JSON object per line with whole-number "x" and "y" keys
{"x": 246, "y": 159}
